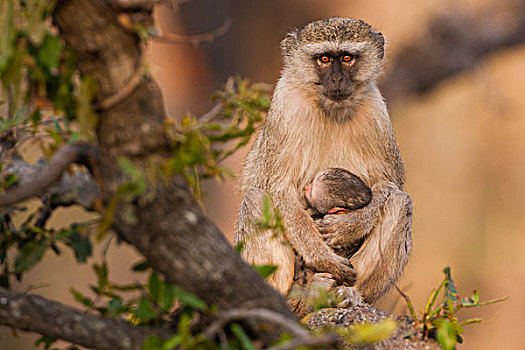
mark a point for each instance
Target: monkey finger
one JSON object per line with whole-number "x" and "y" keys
{"x": 345, "y": 274}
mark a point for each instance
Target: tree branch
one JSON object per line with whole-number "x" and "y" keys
{"x": 170, "y": 228}
{"x": 194, "y": 39}
{"x": 36, "y": 314}
{"x": 302, "y": 337}
{"x": 36, "y": 180}
{"x": 452, "y": 43}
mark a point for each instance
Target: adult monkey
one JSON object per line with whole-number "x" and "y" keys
{"x": 327, "y": 112}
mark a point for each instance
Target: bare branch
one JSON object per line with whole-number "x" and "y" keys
{"x": 43, "y": 316}
{"x": 124, "y": 92}
{"x": 194, "y": 39}
{"x": 212, "y": 113}
{"x": 138, "y": 4}
{"x": 34, "y": 181}
{"x": 302, "y": 337}
{"x": 226, "y": 317}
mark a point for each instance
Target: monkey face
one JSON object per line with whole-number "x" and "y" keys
{"x": 335, "y": 72}
{"x": 333, "y": 62}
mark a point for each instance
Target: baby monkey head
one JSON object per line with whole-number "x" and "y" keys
{"x": 335, "y": 61}
{"x": 336, "y": 190}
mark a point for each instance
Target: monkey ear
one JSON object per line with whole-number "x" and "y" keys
{"x": 290, "y": 41}
{"x": 380, "y": 40}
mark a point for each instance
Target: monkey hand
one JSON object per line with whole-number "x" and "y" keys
{"x": 344, "y": 230}
{"x": 339, "y": 267}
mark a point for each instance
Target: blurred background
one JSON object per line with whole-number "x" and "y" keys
{"x": 462, "y": 139}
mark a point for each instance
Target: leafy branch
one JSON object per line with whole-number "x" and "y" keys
{"x": 439, "y": 320}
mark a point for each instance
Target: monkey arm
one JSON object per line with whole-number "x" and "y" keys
{"x": 308, "y": 243}
{"x": 384, "y": 253}
{"x": 342, "y": 230}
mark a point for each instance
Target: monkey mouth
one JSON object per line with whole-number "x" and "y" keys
{"x": 337, "y": 95}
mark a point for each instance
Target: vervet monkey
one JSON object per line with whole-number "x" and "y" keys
{"x": 327, "y": 112}
{"x": 336, "y": 191}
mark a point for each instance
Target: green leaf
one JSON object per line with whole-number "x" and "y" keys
{"x": 239, "y": 247}
{"x": 265, "y": 270}
{"x": 102, "y": 275}
{"x": 36, "y": 117}
{"x": 81, "y": 246}
{"x": 81, "y": 298}
{"x": 145, "y": 312}
{"x": 170, "y": 293}
{"x": 171, "y": 343}
{"x": 30, "y": 254}
{"x": 475, "y": 297}
{"x": 152, "y": 343}
{"x": 46, "y": 340}
{"x": 368, "y": 333}
{"x": 189, "y": 299}
{"x": 446, "y": 335}
{"x": 8, "y": 37}
{"x": 141, "y": 266}
{"x": 49, "y": 52}
{"x": 115, "y": 307}
{"x": 242, "y": 337}
{"x": 10, "y": 179}
{"x": 156, "y": 288}
{"x": 87, "y": 119}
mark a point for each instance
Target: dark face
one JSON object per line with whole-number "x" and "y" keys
{"x": 335, "y": 71}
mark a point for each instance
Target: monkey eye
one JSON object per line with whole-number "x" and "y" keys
{"x": 347, "y": 58}
{"x": 325, "y": 59}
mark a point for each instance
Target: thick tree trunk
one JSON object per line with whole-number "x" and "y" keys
{"x": 170, "y": 230}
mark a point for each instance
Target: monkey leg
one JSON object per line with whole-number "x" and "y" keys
{"x": 303, "y": 235}
{"x": 384, "y": 253}
{"x": 303, "y": 296}
{"x": 321, "y": 288}
{"x": 264, "y": 246}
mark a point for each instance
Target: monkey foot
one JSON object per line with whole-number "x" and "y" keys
{"x": 347, "y": 296}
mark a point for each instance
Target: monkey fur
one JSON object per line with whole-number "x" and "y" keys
{"x": 327, "y": 112}
{"x": 336, "y": 191}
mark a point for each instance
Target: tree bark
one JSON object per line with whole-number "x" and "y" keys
{"x": 170, "y": 230}
{"x": 36, "y": 314}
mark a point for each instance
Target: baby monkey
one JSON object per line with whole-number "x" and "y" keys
{"x": 333, "y": 191}
{"x": 336, "y": 191}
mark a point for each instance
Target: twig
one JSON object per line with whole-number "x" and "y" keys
{"x": 409, "y": 303}
{"x": 9, "y": 93}
{"x": 223, "y": 318}
{"x": 138, "y": 4}
{"x": 302, "y": 337}
{"x": 80, "y": 152}
{"x": 194, "y": 39}
{"x": 124, "y": 92}
{"x": 212, "y": 113}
